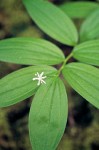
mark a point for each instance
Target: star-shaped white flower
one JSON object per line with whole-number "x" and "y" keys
{"x": 40, "y": 78}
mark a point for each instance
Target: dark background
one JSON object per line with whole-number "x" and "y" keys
{"x": 82, "y": 131}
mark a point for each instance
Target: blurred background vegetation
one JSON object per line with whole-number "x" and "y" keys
{"x": 82, "y": 131}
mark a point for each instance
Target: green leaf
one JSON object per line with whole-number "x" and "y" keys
{"x": 79, "y": 9}
{"x": 52, "y": 21}
{"x": 85, "y": 80}
{"x": 30, "y": 51}
{"x": 87, "y": 52}
{"x": 90, "y": 28}
{"x": 48, "y": 115}
{"x": 19, "y": 85}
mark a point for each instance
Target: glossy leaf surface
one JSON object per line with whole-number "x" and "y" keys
{"x": 52, "y": 21}
{"x": 79, "y": 9}
{"x": 87, "y": 52}
{"x": 30, "y": 51}
{"x": 85, "y": 80}
{"x": 48, "y": 115}
{"x": 19, "y": 85}
{"x": 90, "y": 28}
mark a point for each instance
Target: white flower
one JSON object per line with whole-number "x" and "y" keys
{"x": 40, "y": 78}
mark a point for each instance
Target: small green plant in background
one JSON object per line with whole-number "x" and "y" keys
{"x": 49, "y": 109}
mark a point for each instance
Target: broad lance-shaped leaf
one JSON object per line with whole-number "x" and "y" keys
{"x": 30, "y": 51}
{"x": 85, "y": 80}
{"x": 48, "y": 115}
{"x": 19, "y": 85}
{"x": 52, "y": 21}
{"x": 87, "y": 52}
{"x": 90, "y": 28}
{"x": 79, "y": 9}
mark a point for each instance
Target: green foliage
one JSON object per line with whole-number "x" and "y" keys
{"x": 85, "y": 80}
{"x": 79, "y": 9}
{"x": 87, "y": 52}
{"x": 90, "y": 28}
{"x": 65, "y": 32}
{"x": 30, "y": 51}
{"x": 19, "y": 85}
{"x": 48, "y": 115}
{"x": 48, "y": 112}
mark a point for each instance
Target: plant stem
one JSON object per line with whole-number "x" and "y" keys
{"x": 65, "y": 61}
